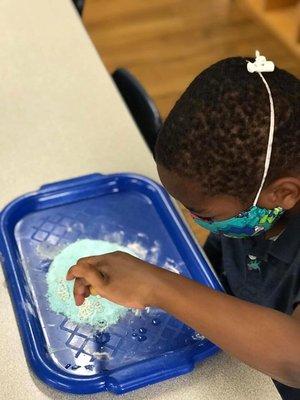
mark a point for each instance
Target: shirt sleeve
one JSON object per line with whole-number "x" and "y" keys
{"x": 296, "y": 283}
{"x": 296, "y": 301}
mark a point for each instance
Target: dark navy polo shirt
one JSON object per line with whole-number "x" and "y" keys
{"x": 265, "y": 272}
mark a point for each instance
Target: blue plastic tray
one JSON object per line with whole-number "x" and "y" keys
{"x": 141, "y": 349}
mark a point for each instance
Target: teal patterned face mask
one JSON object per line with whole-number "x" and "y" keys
{"x": 248, "y": 223}
{"x": 255, "y": 220}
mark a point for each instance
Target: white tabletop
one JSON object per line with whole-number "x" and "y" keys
{"x": 62, "y": 117}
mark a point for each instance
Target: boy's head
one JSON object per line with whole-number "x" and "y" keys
{"x": 212, "y": 147}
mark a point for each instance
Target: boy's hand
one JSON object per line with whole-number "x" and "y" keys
{"x": 118, "y": 277}
{"x": 263, "y": 338}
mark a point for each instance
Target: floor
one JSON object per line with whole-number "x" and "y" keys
{"x": 166, "y": 43}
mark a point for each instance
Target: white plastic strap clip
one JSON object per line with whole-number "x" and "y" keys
{"x": 260, "y": 64}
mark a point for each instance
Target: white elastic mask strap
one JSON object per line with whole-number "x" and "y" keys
{"x": 261, "y": 64}
{"x": 270, "y": 140}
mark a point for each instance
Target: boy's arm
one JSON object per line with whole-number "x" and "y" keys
{"x": 261, "y": 337}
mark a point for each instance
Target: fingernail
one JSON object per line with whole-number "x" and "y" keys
{"x": 79, "y": 300}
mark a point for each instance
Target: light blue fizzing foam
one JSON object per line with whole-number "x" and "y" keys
{"x": 95, "y": 311}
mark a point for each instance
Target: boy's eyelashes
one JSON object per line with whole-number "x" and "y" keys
{"x": 200, "y": 215}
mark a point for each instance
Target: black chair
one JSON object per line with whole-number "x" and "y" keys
{"x": 79, "y": 5}
{"x": 140, "y": 105}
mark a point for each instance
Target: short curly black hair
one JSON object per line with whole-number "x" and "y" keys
{"x": 217, "y": 132}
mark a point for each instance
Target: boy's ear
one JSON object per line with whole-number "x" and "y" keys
{"x": 283, "y": 192}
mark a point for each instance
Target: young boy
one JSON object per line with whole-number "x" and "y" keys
{"x": 230, "y": 152}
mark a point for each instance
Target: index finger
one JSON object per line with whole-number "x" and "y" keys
{"x": 78, "y": 270}
{"x": 70, "y": 274}
{"x": 92, "y": 259}
{"x": 90, "y": 273}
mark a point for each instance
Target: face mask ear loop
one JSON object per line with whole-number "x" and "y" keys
{"x": 259, "y": 65}
{"x": 270, "y": 140}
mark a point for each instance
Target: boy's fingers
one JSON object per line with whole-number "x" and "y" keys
{"x": 90, "y": 259}
{"x": 78, "y": 270}
{"x": 93, "y": 291}
{"x": 91, "y": 273}
{"x": 79, "y": 291}
{"x": 70, "y": 274}
{"x": 87, "y": 292}
{"x": 81, "y": 270}
{"x": 85, "y": 275}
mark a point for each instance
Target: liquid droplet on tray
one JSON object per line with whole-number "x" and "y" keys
{"x": 155, "y": 321}
{"x": 197, "y": 336}
{"x": 102, "y": 337}
{"x": 142, "y": 338}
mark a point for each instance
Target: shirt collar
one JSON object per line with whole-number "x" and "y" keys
{"x": 288, "y": 243}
